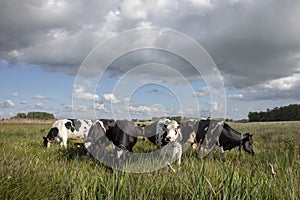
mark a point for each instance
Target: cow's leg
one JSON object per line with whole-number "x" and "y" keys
{"x": 179, "y": 154}
{"x": 222, "y": 153}
{"x": 163, "y": 152}
{"x": 211, "y": 153}
{"x": 179, "y": 159}
{"x": 64, "y": 142}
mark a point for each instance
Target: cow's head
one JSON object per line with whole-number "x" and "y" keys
{"x": 247, "y": 143}
{"x": 46, "y": 142}
{"x": 173, "y": 131}
{"x": 50, "y": 137}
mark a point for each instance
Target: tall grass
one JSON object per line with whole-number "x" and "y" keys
{"x": 29, "y": 171}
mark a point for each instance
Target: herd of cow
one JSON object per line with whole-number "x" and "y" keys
{"x": 168, "y": 135}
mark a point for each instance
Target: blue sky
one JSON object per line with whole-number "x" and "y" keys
{"x": 255, "y": 46}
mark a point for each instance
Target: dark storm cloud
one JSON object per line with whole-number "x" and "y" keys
{"x": 252, "y": 42}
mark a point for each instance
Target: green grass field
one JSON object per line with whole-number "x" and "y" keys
{"x": 29, "y": 171}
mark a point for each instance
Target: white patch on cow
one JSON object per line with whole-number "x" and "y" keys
{"x": 173, "y": 131}
{"x": 192, "y": 138}
{"x": 102, "y": 125}
{"x": 172, "y": 151}
{"x": 48, "y": 144}
{"x": 119, "y": 154}
{"x": 87, "y": 144}
{"x": 194, "y": 146}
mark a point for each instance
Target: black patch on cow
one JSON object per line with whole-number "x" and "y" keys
{"x": 108, "y": 123}
{"x": 51, "y": 135}
{"x": 69, "y": 126}
{"x": 247, "y": 143}
{"x": 121, "y": 133}
{"x": 150, "y": 134}
{"x": 76, "y": 124}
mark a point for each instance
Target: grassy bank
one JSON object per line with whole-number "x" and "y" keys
{"x": 29, "y": 171}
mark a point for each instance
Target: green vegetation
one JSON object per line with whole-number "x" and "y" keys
{"x": 35, "y": 115}
{"x": 29, "y": 171}
{"x": 284, "y": 113}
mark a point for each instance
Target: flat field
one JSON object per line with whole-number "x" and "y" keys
{"x": 29, "y": 171}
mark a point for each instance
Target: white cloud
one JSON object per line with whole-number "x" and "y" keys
{"x": 283, "y": 84}
{"x": 16, "y": 54}
{"x": 140, "y": 109}
{"x": 202, "y": 3}
{"x": 40, "y": 97}
{"x": 80, "y": 93}
{"x": 134, "y": 9}
{"x": 80, "y": 108}
{"x": 7, "y": 104}
{"x": 236, "y": 96}
{"x": 99, "y": 106}
{"x": 24, "y": 102}
{"x": 14, "y": 94}
{"x": 41, "y": 106}
{"x": 67, "y": 108}
{"x": 282, "y": 88}
{"x": 216, "y": 106}
{"x": 110, "y": 98}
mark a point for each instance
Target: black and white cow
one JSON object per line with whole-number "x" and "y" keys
{"x": 64, "y": 129}
{"x": 226, "y": 138}
{"x": 122, "y": 133}
{"x": 166, "y": 134}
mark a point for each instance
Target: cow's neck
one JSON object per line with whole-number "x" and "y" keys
{"x": 231, "y": 140}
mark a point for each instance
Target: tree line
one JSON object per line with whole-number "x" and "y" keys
{"x": 34, "y": 115}
{"x": 284, "y": 113}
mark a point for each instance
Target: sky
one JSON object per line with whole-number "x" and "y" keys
{"x": 143, "y": 59}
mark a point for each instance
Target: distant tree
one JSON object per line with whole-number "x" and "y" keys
{"x": 20, "y": 116}
{"x": 40, "y": 115}
{"x": 284, "y": 113}
{"x": 176, "y": 118}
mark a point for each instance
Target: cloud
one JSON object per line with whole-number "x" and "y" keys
{"x": 23, "y": 102}
{"x": 285, "y": 88}
{"x": 99, "y": 106}
{"x": 7, "y": 104}
{"x": 80, "y": 108}
{"x": 41, "y": 106}
{"x": 216, "y": 106}
{"x": 252, "y": 42}
{"x": 14, "y": 94}
{"x": 110, "y": 98}
{"x": 80, "y": 93}
{"x": 140, "y": 109}
{"x": 40, "y": 97}
{"x": 236, "y": 96}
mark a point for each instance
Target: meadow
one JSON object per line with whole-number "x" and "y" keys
{"x": 29, "y": 171}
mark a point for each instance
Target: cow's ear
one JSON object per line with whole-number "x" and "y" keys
{"x": 44, "y": 138}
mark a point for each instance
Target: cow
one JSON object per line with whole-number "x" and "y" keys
{"x": 64, "y": 129}
{"x": 204, "y": 132}
{"x": 121, "y": 133}
{"x": 166, "y": 135}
